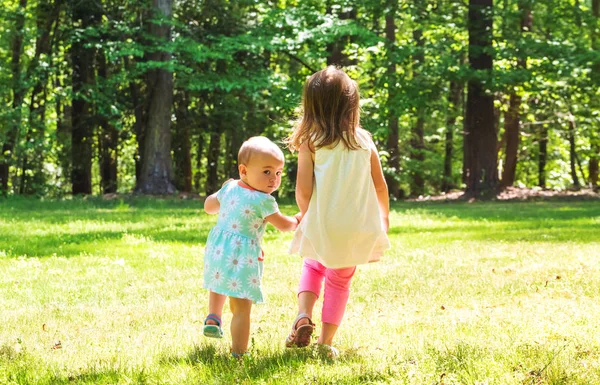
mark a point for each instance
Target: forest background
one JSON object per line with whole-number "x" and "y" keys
{"x": 156, "y": 96}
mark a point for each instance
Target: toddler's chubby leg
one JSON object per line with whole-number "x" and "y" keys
{"x": 240, "y": 324}
{"x": 212, "y": 323}
{"x": 215, "y": 306}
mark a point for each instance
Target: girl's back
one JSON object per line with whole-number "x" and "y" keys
{"x": 342, "y": 226}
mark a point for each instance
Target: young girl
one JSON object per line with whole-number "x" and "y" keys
{"x": 233, "y": 258}
{"x": 343, "y": 197}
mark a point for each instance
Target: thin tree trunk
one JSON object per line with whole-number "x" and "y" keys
{"x": 214, "y": 151}
{"x": 81, "y": 118}
{"x": 157, "y": 169}
{"x": 392, "y": 145}
{"x": 33, "y": 177}
{"x": 482, "y": 176}
{"x": 6, "y": 157}
{"x": 108, "y": 140}
{"x": 593, "y": 167}
{"x": 181, "y": 144}
{"x": 512, "y": 117}
{"x": 572, "y": 155}
{"x": 455, "y": 107}
{"x": 199, "y": 155}
{"x": 335, "y": 49}
{"x": 139, "y": 125}
{"x": 511, "y": 130}
{"x": 417, "y": 140}
{"x": 543, "y": 155}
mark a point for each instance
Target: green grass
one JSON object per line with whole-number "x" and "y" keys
{"x": 484, "y": 293}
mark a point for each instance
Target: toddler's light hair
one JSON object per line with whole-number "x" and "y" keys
{"x": 261, "y": 145}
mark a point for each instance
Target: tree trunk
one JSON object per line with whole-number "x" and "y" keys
{"x": 593, "y": 167}
{"x": 33, "y": 177}
{"x": 543, "y": 155}
{"x": 455, "y": 99}
{"x": 417, "y": 141}
{"x": 108, "y": 140}
{"x": 214, "y": 150}
{"x": 392, "y": 145}
{"x": 481, "y": 157}
{"x": 572, "y": 154}
{"x": 199, "y": 155}
{"x": 512, "y": 117}
{"x": 18, "y": 91}
{"x": 139, "y": 111}
{"x": 511, "y": 130}
{"x": 81, "y": 112}
{"x": 181, "y": 144}
{"x": 157, "y": 169}
{"x": 336, "y": 55}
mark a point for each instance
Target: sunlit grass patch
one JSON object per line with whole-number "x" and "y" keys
{"x": 109, "y": 292}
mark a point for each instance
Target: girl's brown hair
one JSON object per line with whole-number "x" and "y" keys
{"x": 330, "y": 111}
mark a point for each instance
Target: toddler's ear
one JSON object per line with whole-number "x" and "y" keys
{"x": 242, "y": 169}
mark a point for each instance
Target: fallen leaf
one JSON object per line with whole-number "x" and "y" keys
{"x": 44, "y": 328}
{"x": 442, "y": 307}
{"x": 57, "y": 345}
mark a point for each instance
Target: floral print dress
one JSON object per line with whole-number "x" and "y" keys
{"x": 233, "y": 258}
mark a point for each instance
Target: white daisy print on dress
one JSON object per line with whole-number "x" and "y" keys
{"x": 234, "y": 225}
{"x": 246, "y": 295}
{"x": 216, "y": 276}
{"x": 234, "y": 284}
{"x": 231, "y": 202}
{"x": 255, "y": 226}
{"x": 236, "y": 243}
{"x": 253, "y": 243}
{"x": 254, "y": 281}
{"x": 223, "y": 214}
{"x": 251, "y": 194}
{"x": 247, "y": 211}
{"x": 217, "y": 253}
{"x": 235, "y": 263}
{"x": 250, "y": 262}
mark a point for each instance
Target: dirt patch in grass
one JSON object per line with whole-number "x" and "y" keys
{"x": 521, "y": 194}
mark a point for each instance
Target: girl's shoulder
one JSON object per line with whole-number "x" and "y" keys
{"x": 363, "y": 138}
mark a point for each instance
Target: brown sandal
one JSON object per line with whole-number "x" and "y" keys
{"x": 300, "y": 335}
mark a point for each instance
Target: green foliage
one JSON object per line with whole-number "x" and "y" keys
{"x": 240, "y": 66}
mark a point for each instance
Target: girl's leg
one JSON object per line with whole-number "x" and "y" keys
{"x": 310, "y": 288}
{"x": 240, "y": 324}
{"x": 215, "y": 306}
{"x": 335, "y": 298}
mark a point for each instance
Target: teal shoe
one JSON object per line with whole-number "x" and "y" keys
{"x": 213, "y": 331}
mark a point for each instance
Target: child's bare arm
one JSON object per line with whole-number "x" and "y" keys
{"x": 304, "y": 178}
{"x": 211, "y": 204}
{"x": 283, "y": 222}
{"x": 380, "y": 188}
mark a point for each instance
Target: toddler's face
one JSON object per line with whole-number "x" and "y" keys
{"x": 263, "y": 172}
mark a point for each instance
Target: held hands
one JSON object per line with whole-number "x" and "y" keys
{"x": 299, "y": 217}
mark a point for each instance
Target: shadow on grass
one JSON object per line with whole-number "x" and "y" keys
{"x": 172, "y": 221}
{"x": 281, "y": 366}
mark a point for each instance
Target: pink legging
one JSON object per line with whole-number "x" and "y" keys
{"x": 337, "y": 288}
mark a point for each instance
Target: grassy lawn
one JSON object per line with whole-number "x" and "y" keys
{"x": 109, "y": 292}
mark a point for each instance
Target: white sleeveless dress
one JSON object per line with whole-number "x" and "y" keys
{"x": 342, "y": 227}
